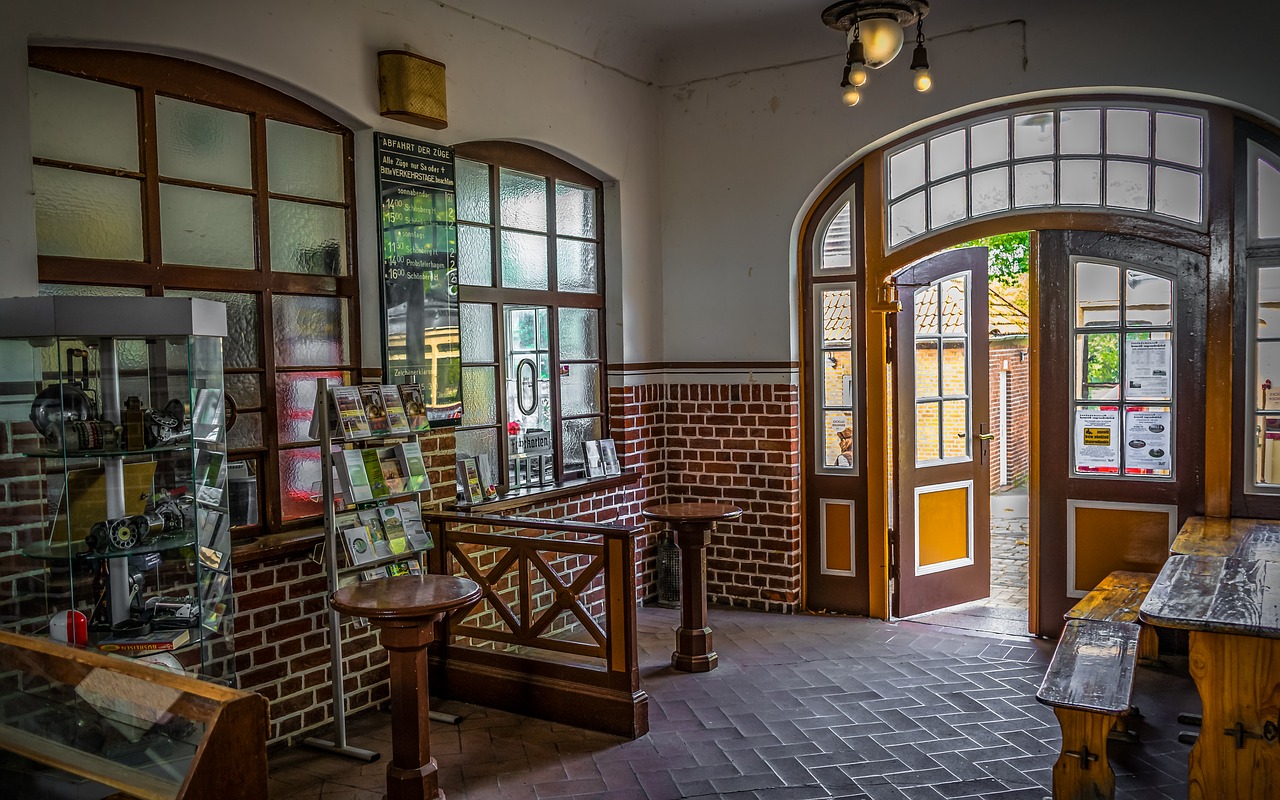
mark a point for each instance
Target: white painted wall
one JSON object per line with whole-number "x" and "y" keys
{"x": 500, "y": 84}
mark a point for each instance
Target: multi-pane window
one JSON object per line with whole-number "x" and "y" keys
{"x": 1263, "y": 268}
{"x": 161, "y": 177}
{"x": 1123, "y": 400}
{"x": 943, "y": 399}
{"x": 532, "y": 310}
{"x": 833, "y": 303}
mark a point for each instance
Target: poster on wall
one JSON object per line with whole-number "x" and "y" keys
{"x": 417, "y": 219}
{"x": 1096, "y": 433}
{"x": 1148, "y": 368}
{"x": 1147, "y": 444}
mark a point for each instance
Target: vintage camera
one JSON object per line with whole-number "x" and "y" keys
{"x": 166, "y": 515}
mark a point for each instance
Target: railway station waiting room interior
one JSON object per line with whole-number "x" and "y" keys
{"x": 677, "y": 399}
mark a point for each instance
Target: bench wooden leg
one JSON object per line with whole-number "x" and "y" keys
{"x": 1083, "y": 771}
{"x": 1148, "y": 645}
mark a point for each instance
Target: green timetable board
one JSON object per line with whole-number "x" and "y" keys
{"x": 418, "y": 219}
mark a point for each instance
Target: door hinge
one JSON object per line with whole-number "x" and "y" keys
{"x": 890, "y": 338}
{"x": 893, "y": 556}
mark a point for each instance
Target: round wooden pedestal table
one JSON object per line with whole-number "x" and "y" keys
{"x": 405, "y": 609}
{"x": 693, "y": 523}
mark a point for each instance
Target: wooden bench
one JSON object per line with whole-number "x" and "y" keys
{"x": 1089, "y": 685}
{"x": 1117, "y": 599}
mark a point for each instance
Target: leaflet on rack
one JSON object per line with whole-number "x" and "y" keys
{"x": 375, "y": 410}
{"x": 351, "y": 417}
{"x": 412, "y": 466}
{"x": 396, "y": 417}
{"x": 352, "y": 476}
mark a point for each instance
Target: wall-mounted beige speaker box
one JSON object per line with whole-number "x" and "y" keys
{"x": 411, "y": 89}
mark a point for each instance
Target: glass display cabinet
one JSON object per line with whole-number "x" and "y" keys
{"x": 114, "y": 527}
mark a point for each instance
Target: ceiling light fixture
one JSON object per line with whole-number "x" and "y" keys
{"x": 874, "y": 31}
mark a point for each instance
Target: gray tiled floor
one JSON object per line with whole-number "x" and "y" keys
{"x": 801, "y": 707}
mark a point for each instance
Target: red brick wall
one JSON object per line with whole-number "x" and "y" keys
{"x": 1017, "y": 412}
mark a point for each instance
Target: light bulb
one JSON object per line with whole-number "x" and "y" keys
{"x": 858, "y": 74}
{"x": 923, "y": 80}
{"x": 851, "y": 96}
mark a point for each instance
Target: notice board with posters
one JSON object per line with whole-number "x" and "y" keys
{"x": 418, "y": 221}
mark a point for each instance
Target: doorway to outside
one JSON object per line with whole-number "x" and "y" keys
{"x": 1004, "y": 609}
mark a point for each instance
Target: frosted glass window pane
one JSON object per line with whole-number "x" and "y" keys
{"x": 1178, "y": 139}
{"x": 82, "y": 121}
{"x": 1081, "y": 182}
{"x": 955, "y": 428}
{"x": 477, "y": 332}
{"x": 204, "y": 228}
{"x": 1033, "y": 135}
{"x": 989, "y": 143}
{"x": 1128, "y": 132}
{"x": 246, "y": 388}
{"x": 88, "y": 216}
{"x": 479, "y": 396}
{"x": 1033, "y": 184}
{"x": 928, "y": 382}
{"x": 579, "y": 389}
{"x": 837, "y": 242}
{"x": 574, "y": 432}
{"x": 575, "y": 210}
{"x": 946, "y": 154}
{"x": 310, "y": 331}
{"x": 203, "y": 143}
{"x": 947, "y": 202}
{"x": 475, "y": 256}
{"x": 1127, "y": 185}
{"x": 295, "y": 402}
{"x": 575, "y": 265}
{"x": 989, "y": 191}
{"x": 1081, "y": 132}
{"x": 308, "y": 238}
{"x": 1268, "y": 200}
{"x": 482, "y": 441}
{"x": 906, "y": 219}
{"x": 304, "y": 161}
{"x": 523, "y": 200}
{"x": 579, "y": 333}
{"x": 927, "y": 432}
{"x": 906, "y": 171}
{"x": 240, "y": 347}
{"x": 473, "y": 190}
{"x": 299, "y": 470}
{"x": 524, "y": 260}
{"x": 953, "y": 316}
{"x": 84, "y": 290}
{"x": 1268, "y": 305}
{"x": 1148, "y": 300}
{"x": 1178, "y": 193}
{"x": 837, "y": 378}
{"x": 1097, "y": 294}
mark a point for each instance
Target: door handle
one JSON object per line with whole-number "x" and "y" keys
{"x": 984, "y": 437}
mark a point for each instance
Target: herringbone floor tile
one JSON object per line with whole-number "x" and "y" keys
{"x": 800, "y": 708}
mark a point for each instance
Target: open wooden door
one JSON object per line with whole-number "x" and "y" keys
{"x": 942, "y": 529}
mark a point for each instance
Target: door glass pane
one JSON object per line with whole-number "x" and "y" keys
{"x": 308, "y": 238}
{"x": 955, "y": 428}
{"x": 927, "y": 370}
{"x": 1148, "y": 299}
{"x": 575, "y": 210}
{"x": 946, "y": 154}
{"x": 837, "y": 243}
{"x": 926, "y": 304}
{"x": 240, "y": 348}
{"x": 203, "y": 228}
{"x": 310, "y": 330}
{"x": 955, "y": 368}
{"x": 1267, "y": 468}
{"x": 479, "y": 396}
{"x": 527, "y": 374}
{"x": 1098, "y": 364}
{"x": 304, "y": 161}
{"x": 1268, "y": 303}
{"x": 575, "y": 265}
{"x": 837, "y": 378}
{"x": 1148, "y": 366}
{"x": 476, "y": 321}
{"x": 1081, "y": 131}
{"x": 579, "y": 389}
{"x": 295, "y": 402}
{"x": 928, "y": 429}
{"x": 1033, "y": 134}
{"x": 947, "y": 202}
{"x": 837, "y": 448}
{"x": 906, "y": 219}
{"x": 1127, "y": 185}
{"x": 524, "y": 260}
{"x": 475, "y": 256}
{"x": 837, "y": 326}
{"x": 989, "y": 191}
{"x": 989, "y": 143}
{"x": 1178, "y": 138}
{"x": 1268, "y": 200}
{"x": 82, "y": 121}
{"x": 906, "y": 171}
{"x": 83, "y": 215}
{"x": 579, "y": 333}
{"x": 1081, "y": 183}
{"x": 1178, "y": 193}
{"x": 1128, "y": 132}
{"x": 1097, "y": 294}
{"x": 954, "y": 317}
{"x": 1268, "y": 379}
{"x": 202, "y": 143}
{"x": 1033, "y": 184}
{"x": 1148, "y": 440}
{"x": 522, "y": 200}
{"x": 473, "y": 190}
{"x": 1097, "y": 440}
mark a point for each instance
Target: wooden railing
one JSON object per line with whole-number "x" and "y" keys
{"x": 554, "y": 633}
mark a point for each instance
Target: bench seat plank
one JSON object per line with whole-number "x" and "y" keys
{"x": 1117, "y": 598}
{"x": 1093, "y": 667}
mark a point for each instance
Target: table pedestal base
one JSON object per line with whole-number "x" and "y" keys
{"x": 693, "y": 638}
{"x": 693, "y": 650}
{"x": 412, "y": 773}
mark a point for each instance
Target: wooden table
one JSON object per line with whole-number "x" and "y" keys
{"x": 405, "y": 609}
{"x": 693, "y": 523}
{"x": 1250, "y": 539}
{"x": 1231, "y": 606}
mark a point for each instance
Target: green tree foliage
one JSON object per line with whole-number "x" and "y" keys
{"x": 1008, "y": 264}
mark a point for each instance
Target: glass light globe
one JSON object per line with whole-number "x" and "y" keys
{"x": 851, "y": 96}
{"x": 858, "y": 74}
{"x": 881, "y": 40}
{"x": 923, "y": 80}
